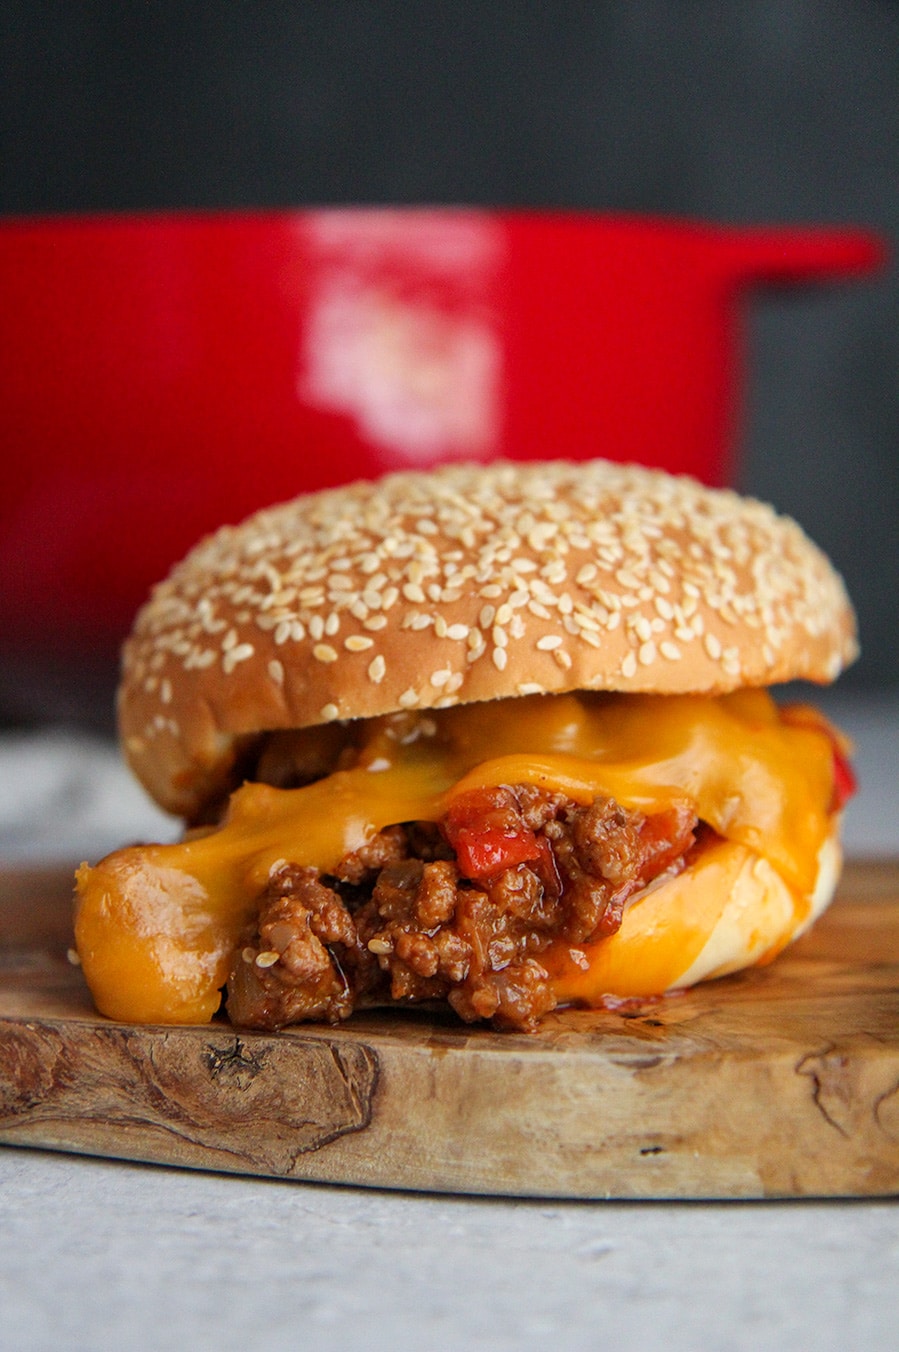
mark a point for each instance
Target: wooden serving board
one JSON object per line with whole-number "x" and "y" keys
{"x": 782, "y": 1082}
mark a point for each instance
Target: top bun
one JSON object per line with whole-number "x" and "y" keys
{"x": 468, "y": 583}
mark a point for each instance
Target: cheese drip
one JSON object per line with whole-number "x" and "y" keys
{"x": 156, "y": 925}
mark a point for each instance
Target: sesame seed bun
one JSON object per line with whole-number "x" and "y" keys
{"x": 467, "y": 583}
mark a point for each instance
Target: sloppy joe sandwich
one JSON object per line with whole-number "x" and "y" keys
{"x": 495, "y": 736}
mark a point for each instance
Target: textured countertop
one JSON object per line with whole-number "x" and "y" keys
{"x": 106, "y": 1255}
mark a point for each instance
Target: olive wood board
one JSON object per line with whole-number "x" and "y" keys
{"x": 778, "y": 1082}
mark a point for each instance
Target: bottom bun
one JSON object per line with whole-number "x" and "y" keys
{"x": 729, "y": 910}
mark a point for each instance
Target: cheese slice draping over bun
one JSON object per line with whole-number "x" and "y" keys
{"x": 594, "y": 631}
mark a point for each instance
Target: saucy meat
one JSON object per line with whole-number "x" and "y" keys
{"x": 458, "y": 911}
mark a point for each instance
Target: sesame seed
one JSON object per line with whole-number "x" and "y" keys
{"x": 234, "y": 656}
{"x": 500, "y": 658}
{"x": 457, "y": 632}
{"x": 358, "y": 643}
{"x": 730, "y": 661}
{"x": 712, "y": 647}
{"x": 267, "y": 958}
{"x": 323, "y": 652}
{"x": 549, "y": 642}
{"x": 540, "y": 535}
{"x": 408, "y": 699}
{"x": 377, "y": 669}
{"x": 328, "y": 713}
{"x": 629, "y": 666}
{"x": 276, "y": 671}
{"x": 834, "y": 666}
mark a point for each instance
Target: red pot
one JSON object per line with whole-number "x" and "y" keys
{"x": 164, "y": 373}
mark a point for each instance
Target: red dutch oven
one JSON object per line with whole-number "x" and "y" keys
{"x": 162, "y": 374}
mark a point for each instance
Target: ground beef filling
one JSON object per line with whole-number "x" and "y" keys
{"x": 459, "y": 911}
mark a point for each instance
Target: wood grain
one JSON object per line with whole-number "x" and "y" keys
{"x": 781, "y": 1082}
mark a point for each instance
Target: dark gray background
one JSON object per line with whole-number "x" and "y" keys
{"x": 767, "y": 112}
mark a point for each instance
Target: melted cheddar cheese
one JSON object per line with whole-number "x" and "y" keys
{"x": 156, "y": 925}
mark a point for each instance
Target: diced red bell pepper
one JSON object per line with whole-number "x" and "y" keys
{"x": 483, "y": 853}
{"x": 845, "y": 781}
{"x": 487, "y": 832}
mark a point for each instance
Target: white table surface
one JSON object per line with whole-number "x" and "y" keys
{"x": 105, "y": 1255}
{"x": 100, "y": 1254}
